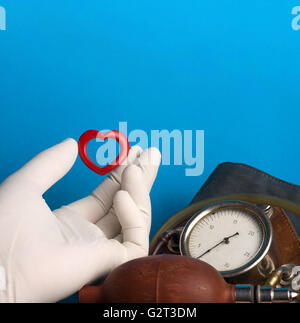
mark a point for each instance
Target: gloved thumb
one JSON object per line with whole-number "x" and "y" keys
{"x": 47, "y": 167}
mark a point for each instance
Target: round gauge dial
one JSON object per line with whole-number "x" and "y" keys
{"x": 230, "y": 236}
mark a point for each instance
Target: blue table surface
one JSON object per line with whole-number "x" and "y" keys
{"x": 230, "y": 68}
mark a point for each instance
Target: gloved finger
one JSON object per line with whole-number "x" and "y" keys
{"x": 76, "y": 227}
{"x": 95, "y": 206}
{"x": 134, "y": 184}
{"x": 105, "y": 192}
{"x": 149, "y": 162}
{"x": 47, "y": 167}
{"x": 109, "y": 224}
{"x": 134, "y": 226}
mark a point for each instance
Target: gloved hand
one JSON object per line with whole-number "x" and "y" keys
{"x": 47, "y": 256}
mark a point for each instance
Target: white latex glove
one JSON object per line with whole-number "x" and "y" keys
{"x": 46, "y": 256}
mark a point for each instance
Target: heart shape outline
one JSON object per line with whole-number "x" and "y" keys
{"x": 87, "y": 136}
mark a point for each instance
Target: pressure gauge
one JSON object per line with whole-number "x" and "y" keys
{"x": 232, "y": 236}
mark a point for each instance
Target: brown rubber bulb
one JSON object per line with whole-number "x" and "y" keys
{"x": 161, "y": 279}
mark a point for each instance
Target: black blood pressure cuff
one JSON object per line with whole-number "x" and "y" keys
{"x": 240, "y": 179}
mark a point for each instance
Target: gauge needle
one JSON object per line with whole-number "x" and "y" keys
{"x": 225, "y": 240}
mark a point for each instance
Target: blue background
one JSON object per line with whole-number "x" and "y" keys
{"x": 231, "y": 68}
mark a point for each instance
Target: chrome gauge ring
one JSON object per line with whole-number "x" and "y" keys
{"x": 232, "y": 236}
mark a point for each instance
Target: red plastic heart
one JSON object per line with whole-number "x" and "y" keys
{"x": 87, "y": 136}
